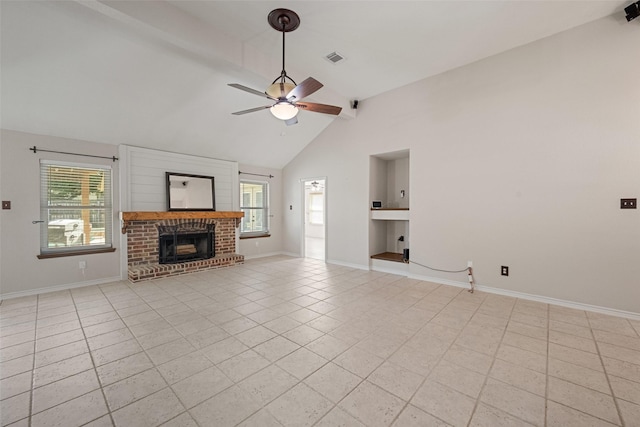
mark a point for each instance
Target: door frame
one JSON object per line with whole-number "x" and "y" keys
{"x": 303, "y": 223}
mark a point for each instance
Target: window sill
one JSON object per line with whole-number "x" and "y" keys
{"x": 76, "y": 253}
{"x": 257, "y": 236}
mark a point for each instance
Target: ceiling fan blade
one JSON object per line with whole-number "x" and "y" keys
{"x": 291, "y": 121}
{"x": 306, "y": 88}
{"x": 253, "y": 91}
{"x": 252, "y": 110}
{"x": 319, "y": 108}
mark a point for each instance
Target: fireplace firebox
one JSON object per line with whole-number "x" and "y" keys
{"x": 185, "y": 242}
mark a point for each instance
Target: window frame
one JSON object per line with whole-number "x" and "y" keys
{"x": 315, "y": 195}
{"x": 265, "y": 231}
{"x": 45, "y": 207}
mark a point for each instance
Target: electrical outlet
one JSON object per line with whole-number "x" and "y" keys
{"x": 504, "y": 270}
{"x": 628, "y": 203}
{"x": 82, "y": 265}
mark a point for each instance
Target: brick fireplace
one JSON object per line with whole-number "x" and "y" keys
{"x": 186, "y": 242}
{"x": 143, "y": 241}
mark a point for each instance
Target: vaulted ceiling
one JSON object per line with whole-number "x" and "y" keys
{"x": 155, "y": 73}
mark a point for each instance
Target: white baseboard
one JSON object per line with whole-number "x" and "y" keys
{"x": 390, "y": 267}
{"x": 265, "y": 255}
{"x": 291, "y": 254}
{"x": 294, "y": 255}
{"x": 531, "y": 297}
{"x": 347, "y": 264}
{"x": 56, "y": 288}
{"x": 564, "y": 303}
{"x": 439, "y": 280}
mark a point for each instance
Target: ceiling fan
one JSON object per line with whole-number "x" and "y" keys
{"x": 285, "y": 92}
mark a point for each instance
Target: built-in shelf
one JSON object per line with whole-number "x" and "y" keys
{"x": 389, "y": 256}
{"x": 394, "y": 214}
{"x": 389, "y": 186}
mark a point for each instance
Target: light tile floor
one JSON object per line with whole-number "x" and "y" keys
{"x": 295, "y": 342}
{"x": 314, "y": 247}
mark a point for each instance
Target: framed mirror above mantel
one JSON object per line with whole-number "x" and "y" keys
{"x": 187, "y": 192}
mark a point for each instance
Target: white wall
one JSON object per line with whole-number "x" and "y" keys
{"x": 518, "y": 160}
{"x": 264, "y": 246}
{"x": 21, "y": 272}
{"x": 144, "y": 179}
{"x": 344, "y": 162}
{"x": 395, "y": 229}
{"x": 398, "y": 179}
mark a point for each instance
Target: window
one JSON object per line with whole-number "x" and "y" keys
{"x": 75, "y": 208}
{"x": 316, "y": 208}
{"x": 254, "y": 202}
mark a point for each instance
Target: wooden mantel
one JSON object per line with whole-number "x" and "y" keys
{"x": 127, "y": 217}
{"x": 152, "y": 215}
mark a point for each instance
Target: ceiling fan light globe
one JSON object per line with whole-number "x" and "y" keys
{"x": 284, "y": 110}
{"x": 279, "y": 90}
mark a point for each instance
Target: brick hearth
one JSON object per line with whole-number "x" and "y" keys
{"x": 142, "y": 242}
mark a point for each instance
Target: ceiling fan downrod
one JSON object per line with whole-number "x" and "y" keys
{"x": 283, "y": 20}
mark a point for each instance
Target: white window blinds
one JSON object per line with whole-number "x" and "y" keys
{"x": 75, "y": 207}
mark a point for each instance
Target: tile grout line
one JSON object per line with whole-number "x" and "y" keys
{"x": 493, "y": 361}
{"x": 93, "y": 363}
{"x": 33, "y": 367}
{"x": 101, "y": 386}
{"x": 583, "y": 367}
{"x": 606, "y": 374}
{"x": 33, "y": 388}
{"x": 546, "y": 374}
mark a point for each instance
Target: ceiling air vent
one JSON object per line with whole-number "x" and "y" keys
{"x": 334, "y": 57}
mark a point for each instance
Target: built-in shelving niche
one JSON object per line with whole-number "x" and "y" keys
{"x": 389, "y": 184}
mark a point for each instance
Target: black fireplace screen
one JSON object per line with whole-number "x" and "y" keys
{"x": 185, "y": 242}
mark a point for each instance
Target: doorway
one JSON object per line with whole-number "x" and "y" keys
{"x": 314, "y": 220}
